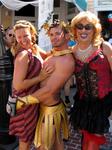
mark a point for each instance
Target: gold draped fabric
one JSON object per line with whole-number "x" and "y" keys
{"x": 51, "y": 116}
{"x": 61, "y": 52}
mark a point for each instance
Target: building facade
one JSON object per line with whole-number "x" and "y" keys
{"x": 62, "y": 10}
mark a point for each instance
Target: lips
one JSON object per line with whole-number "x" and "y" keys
{"x": 84, "y": 35}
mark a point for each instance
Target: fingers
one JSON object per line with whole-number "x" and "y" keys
{"x": 46, "y": 71}
{"x": 49, "y": 68}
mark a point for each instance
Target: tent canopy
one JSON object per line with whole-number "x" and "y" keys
{"x": 18, "y": 4}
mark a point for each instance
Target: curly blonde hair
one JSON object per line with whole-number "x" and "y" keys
{"x": 24, "y": 24}
{"x": 92, "y": 19}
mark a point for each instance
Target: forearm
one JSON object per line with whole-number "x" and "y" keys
{"x": 43, "y": 93}
{"x": 37, "y": 97}
{"x": 27, "y": 83}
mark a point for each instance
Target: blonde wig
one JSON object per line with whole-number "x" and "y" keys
{"x": 92, "y": 19}
{"x": 24, "y": 24}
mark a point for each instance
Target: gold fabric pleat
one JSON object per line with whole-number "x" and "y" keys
{"x": 54, "y": 116}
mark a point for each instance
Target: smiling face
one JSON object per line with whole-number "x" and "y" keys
{"x": 23, "y": 37}
{"x": 57, "y": 36}
{"x": 84, "y": 31}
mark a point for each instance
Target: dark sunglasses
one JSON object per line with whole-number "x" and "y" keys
{"x": 86, "y": 27}
{"x": 11, "y": 35}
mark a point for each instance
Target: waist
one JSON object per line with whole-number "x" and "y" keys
{"x": 52, "y": 109}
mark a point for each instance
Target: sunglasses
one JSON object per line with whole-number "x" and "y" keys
{"x": 10, "y": 35}
{"x": 86, "y": 27}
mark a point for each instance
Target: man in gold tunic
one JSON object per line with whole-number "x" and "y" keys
{"x": 52, "y": 125}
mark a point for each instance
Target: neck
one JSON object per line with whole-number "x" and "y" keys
{"x": 61, "y": 47}
{"x": 83, "y": 48}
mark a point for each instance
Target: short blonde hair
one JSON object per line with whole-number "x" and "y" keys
{"x": 24, "y": 24}
{"x": 92, "y": 19}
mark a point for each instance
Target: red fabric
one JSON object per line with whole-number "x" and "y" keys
{"x": 93, "y": 137}
{"x": 34, "y": 68}
{"x": 24, "y": 123}
{"x": 99, "y": 64}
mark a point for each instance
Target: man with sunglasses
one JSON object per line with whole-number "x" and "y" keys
{"x": 93, "y": 71}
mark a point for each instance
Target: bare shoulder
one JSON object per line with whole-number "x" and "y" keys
{"x": 107, "y": 48}
{"x": 22, "y": 56}
{"x": 66, "y": 63}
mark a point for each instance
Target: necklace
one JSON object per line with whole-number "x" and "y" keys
{"x": 60, "y": 53}
{"x": 84, "y": 54}
{"x": 85, "y": 50}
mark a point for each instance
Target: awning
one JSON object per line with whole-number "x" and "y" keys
{"x": 18, "y": 4}
{"x": 81, "y": 4}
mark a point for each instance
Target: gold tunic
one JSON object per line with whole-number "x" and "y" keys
{"x": 51, "y": 116}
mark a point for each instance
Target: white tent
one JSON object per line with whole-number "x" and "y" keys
{"x": 17, "y": 4}
{"x": 45, "y": 14}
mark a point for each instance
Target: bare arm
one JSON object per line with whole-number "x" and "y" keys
{"x": 43, "y": 53}
{"x": 107, "y": 49}
{"x": 20, "y": 71}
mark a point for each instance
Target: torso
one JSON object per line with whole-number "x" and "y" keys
{"x": 33, "y": 70}
{"x": 94, "y": 75}
{"x": 55, "y": 61}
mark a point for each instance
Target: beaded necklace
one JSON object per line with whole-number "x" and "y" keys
{"x": 85, "y": 50}
{"x": 84, "y": 54}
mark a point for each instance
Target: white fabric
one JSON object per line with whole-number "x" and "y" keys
{"x": 17, "y": 4}
{"x": 70, "y": 1}
{"x": 45, "y": 9}
{"x": 110, "y": 41}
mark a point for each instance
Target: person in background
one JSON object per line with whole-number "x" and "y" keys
{"x": 26, "y": 80}
{"x": 53, "y": 116}
{"x": 9, "y": 39}
{"x": 67, "y": 88}
{"x": 93, "y": 71}
{"x": 70, "y": 83}
{"x": 110, "y": 40}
